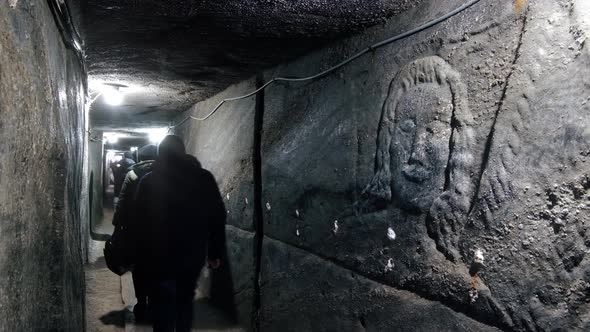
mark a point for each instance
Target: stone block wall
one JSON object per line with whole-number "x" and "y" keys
{"x": 224, "y": 144}
{"x": 42, "y": 157}
{"x": 440, "y": 182}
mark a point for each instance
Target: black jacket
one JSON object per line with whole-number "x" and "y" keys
{"x": 181, "y": 218}
{"x": 120, "y": 169}
{"x": 126, "y": 205}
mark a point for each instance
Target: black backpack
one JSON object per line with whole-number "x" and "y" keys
{"x": 120, "y": 251}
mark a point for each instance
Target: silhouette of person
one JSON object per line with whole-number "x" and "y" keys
{"x": 124, "y": 213}
{"x": 120, "y": 170}
{"x": 182, "y": 218}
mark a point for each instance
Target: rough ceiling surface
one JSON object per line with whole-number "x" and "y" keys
{"x": 174, "y": 53}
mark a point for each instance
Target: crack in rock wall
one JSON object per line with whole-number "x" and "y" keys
{"x": 42, "y": 233}
{"x": 337, "y": 299}
{"x": 450, "y": 166}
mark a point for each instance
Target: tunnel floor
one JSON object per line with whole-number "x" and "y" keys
{"x": 110, "y": 298}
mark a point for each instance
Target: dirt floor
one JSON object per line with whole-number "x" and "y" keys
{"x": 105, "y": 310}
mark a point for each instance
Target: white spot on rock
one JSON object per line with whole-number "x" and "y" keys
{"x": 473, "y": 295}
{"x": 227, "y": 196}
{"x": 297, "y": 232}
{"x": 391, "y": 234}
{"x": 389, "y": 267}
{"x": 335, "y": 230}
{"x": 297, "y": 213}
{"x": 268, "y": 206}
{"x": 246, "y": 200}
{"x": 478, "y": 257}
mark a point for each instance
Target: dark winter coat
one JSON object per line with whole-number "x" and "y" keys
{"x": 120, "y": 169}
{"x": 182, "y": 218}
{"x": 125, "y": 205}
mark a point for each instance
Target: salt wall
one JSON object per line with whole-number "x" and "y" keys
{"x": 42, "y": 157}
{"x": 440, "y": 183}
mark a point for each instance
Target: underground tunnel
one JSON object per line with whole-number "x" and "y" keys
{"x": 385, "y": 165}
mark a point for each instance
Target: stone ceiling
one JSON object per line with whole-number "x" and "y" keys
{"x": 174, "y": 53}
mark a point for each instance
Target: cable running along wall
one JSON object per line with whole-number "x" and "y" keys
{"x": 337, "y": 66}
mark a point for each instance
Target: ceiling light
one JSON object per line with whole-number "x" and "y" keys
{"x": 157, "y": 135}
{"x": 111, "y": 138}
{"x": 154, "y": 135}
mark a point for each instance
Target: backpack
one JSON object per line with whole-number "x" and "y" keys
{"x": 119, "y": 251}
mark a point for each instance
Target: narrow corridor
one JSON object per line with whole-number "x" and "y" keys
{"x": 313, "y": 165}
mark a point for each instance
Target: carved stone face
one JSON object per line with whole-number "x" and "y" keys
{"x": 420, "y": 149}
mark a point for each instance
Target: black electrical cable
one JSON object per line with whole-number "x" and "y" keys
{"x": 339, "y": 65}
{"x": 70, "y": 36}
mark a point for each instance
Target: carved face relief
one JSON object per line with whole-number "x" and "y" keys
{"x": 420, "y": 145}
{"x": 424, "y": 141}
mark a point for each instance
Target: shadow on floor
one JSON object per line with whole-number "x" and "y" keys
{"x": 115, "y": 317}
{"x": 100, "y": 263}
{"x": 206, "y": 316}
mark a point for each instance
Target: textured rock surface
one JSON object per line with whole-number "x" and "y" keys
{"x": 176, "y": 53}
{"x": 531, "y": 214}
{"x": 95, "y": 180}
{"x": 516, "y": 84}
{"x": 224, "y": 145}
{"x": 240, "y": 250}
{"x": 340, "y": 300}
{"x": 41, "y": 168}
{"x": 449, "y": 169}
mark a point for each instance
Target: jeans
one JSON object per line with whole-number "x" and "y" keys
{"x": 172, "y": 302}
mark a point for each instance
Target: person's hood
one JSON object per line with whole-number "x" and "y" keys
{"x": 182, "y": 164}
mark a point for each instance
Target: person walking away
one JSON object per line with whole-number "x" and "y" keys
{"x": 120, "y": 170}
{"x": 183, "y": 223}
{"x": 125, "y": 212}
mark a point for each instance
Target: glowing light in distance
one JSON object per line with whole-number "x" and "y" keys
{"x": 112, "y": 95}
{"x": 155, "y": 135}
{"x": 110, "y": 155}
{"x": 133, "y": 148}
{"x": 111, "y": 138}
{"x": 113, "y": 156}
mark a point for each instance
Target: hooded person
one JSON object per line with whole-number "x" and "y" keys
{"x": 120, "y": 170}
{"x": 124, "y": 214}
{"x": 183, "y": 225}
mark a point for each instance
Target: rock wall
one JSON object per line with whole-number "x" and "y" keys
{"x": 438, "y": 183}
{"x": 96, "y": 179}
{"x": 225, "y": 145}
{"x": 42, "y": 99}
